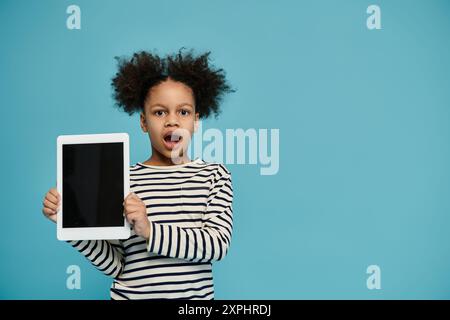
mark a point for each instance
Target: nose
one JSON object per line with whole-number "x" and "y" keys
{"x": 172, "y": 120}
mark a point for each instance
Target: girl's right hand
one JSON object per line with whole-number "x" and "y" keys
{"x": 51, "y": 204}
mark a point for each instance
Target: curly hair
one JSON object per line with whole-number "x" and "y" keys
{"x": 137, "y": 75}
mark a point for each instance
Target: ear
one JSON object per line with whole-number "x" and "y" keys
{"x": 143, "y": 122}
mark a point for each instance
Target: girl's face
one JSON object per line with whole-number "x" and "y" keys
{"x": 170, "y": 119}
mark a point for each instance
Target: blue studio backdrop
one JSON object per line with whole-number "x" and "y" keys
{"x": 357, "y": 93}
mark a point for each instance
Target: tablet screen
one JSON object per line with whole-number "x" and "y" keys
{"x": 93, "y": 186}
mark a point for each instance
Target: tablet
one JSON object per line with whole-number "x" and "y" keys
{"x": 92, "y": 180}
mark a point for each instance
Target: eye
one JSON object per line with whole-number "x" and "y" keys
{"x": 185, "y": 112}
{"x": 158, "y": 113}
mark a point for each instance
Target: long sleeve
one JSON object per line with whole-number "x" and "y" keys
{"x": 207, "y": 243}
{"x": 105, "y": 255}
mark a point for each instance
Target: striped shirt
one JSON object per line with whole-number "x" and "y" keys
{"x": 189, "y": 207}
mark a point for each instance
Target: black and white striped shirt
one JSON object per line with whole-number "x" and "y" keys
{"x": 189, "y": 207}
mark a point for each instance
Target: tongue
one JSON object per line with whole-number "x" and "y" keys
{"x": 171, "y": 144}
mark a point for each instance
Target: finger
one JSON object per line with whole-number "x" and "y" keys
{"x": 132, "y": 201}
{"x": 48, "y": 212}
{"x": 50, "y": 205}
{"x": 134, "y": 217}
{"x": 131, "y": 218}
{"x": 131, "y": 209}
{"x": 54, "y": 192}
{"x": 135, "y": 196}
{"x": 128, "y": 205}
{"x": 52, "y": 198}
{"x": 130, "y": 195}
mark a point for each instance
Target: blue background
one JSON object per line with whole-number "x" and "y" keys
{"x": 364, "y": 138}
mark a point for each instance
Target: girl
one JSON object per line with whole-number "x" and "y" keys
{"x": 180, "y": 210}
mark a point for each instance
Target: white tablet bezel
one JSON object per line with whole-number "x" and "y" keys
{"x": 93, "y": 233}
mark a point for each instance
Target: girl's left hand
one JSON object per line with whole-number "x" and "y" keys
{"x": 136, "y": 213}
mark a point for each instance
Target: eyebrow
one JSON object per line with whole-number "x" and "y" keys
{"x": 179, "y": 105}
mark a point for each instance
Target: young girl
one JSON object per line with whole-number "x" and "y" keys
{"x": 180, "y": 210}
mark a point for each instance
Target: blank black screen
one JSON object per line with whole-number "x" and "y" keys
{"x": 93, "y": 185}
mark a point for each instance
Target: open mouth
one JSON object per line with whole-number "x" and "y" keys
{"x": 172, "y": 139}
